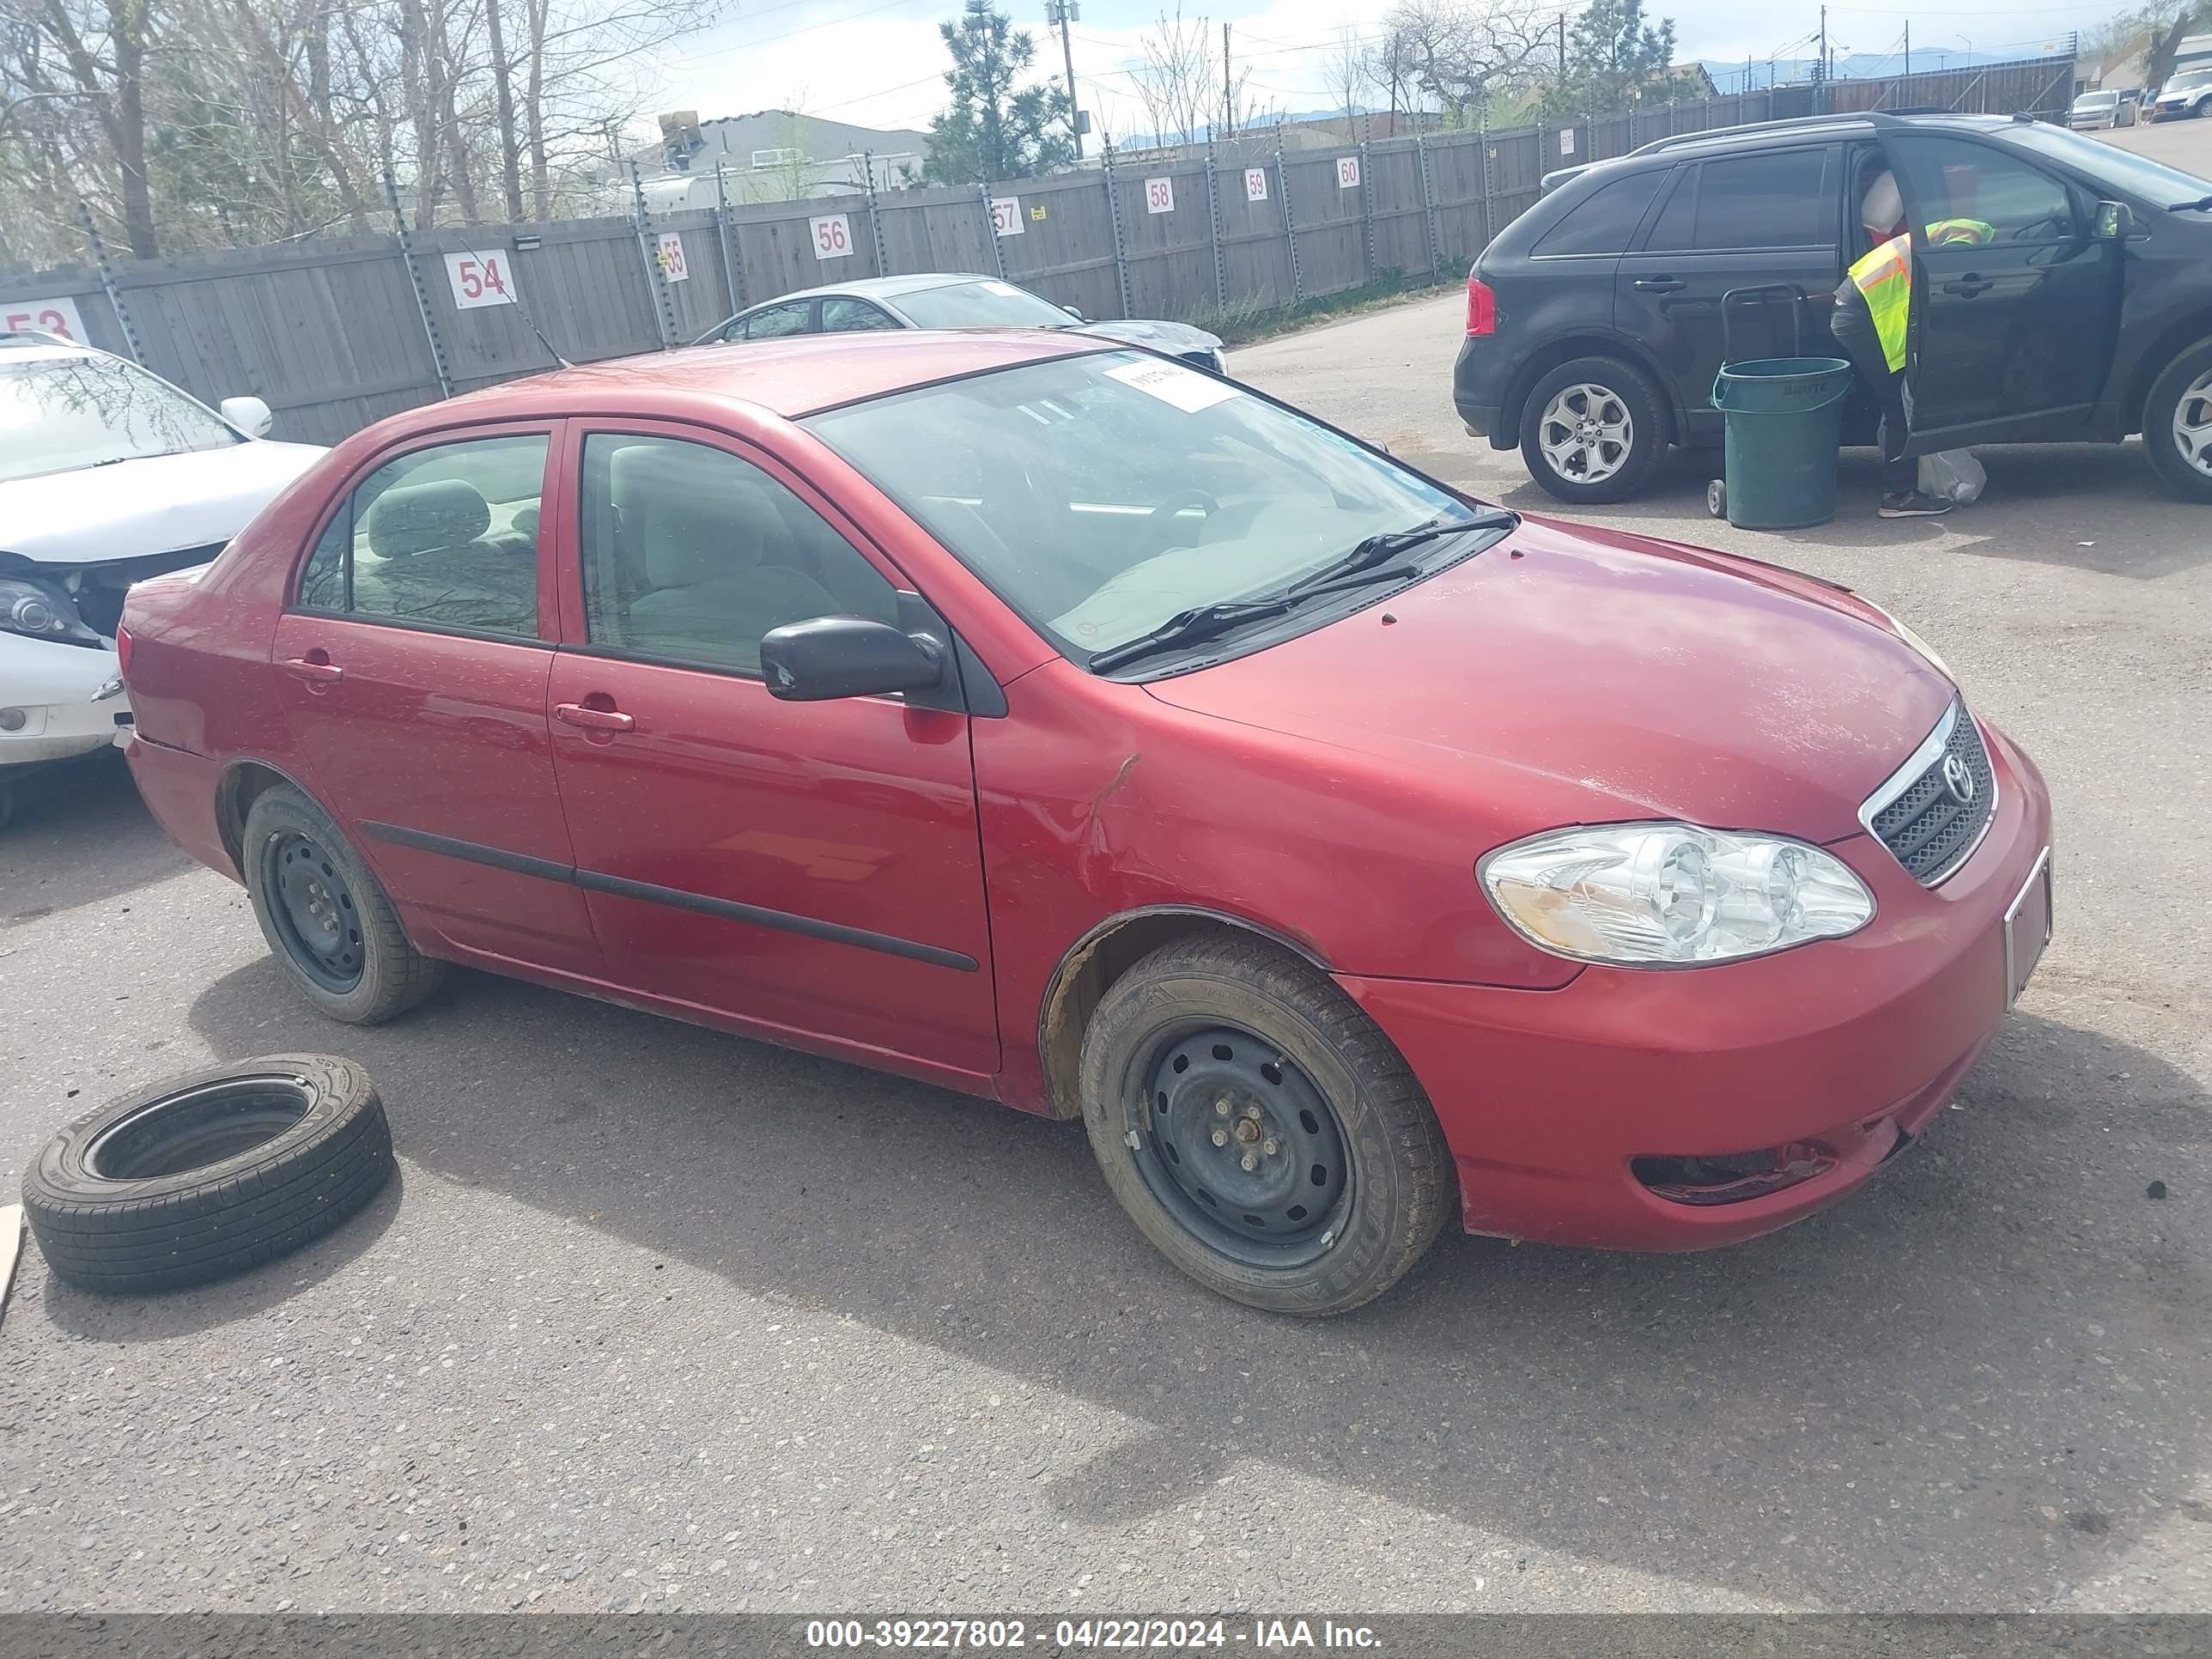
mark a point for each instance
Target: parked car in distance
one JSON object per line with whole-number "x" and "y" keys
{"x": 952, "y": 300}
{"x": 107, "y": 473}
{"x": 2095, "y": 111}
{"x": 1046, "y": 720}
{"x": 2188, "y": 94}
{"x": 1595, "y": 326}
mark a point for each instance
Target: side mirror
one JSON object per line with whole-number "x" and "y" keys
{"x": 845, "y": 657}
{"x": 2116, "y": 222}
{"x": 249, "y": 415}
{"x": 1075, "y": 312}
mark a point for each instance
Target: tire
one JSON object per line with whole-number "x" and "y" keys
{"x": 2182, "y": 397}
{"x": 1325, "y": 1092}
{"x": 1625, "y": 388}
{"x": 209, "y": 1174}
{"x": 373, "y": 971}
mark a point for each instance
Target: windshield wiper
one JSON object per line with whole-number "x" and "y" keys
{"x": 2184, "y": 207}
{"x": 1207, "y": 622}
{"x": 1390, "y": 543}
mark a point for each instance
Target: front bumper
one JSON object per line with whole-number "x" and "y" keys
{"x": 1854, "y": 1044}
{"x": 56, "y": 689}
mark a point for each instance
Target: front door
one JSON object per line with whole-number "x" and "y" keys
{"x": 2013, "y": 334}
{"x": 811, "y": 868}
{"x": 413, "y": 671}
{"x": 1767, "y": 221}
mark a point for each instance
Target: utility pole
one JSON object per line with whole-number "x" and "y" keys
{"x": 1908, "y": 59}
{"x": 1061, "y": 12}
{"x": 1563, "y": 45}
{"x": 1820, "y": 68}
{"x": 1228, "y": 92}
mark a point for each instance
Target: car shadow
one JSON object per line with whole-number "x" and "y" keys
{"x": 2044, "y": 504}
{"x": 81, "y": 836}
{"x": 1814, "y": 1415}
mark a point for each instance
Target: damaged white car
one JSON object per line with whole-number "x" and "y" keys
{"x": 108, "y": 474}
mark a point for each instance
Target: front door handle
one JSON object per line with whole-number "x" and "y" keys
{"x": 593, "y": 719}
{"x": 1659, "y": 284}
{"x": 1969, "y": 285}
{"x": 317, "y": 669}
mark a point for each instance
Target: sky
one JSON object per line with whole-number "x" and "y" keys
{"x": 880, "y": 63}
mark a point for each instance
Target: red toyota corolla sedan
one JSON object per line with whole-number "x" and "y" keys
{"x": 1061, "y": 724}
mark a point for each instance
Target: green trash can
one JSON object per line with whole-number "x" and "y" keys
{"x": 1784, "y": 423}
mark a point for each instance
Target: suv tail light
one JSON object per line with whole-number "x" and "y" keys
{"x": 1482, "y": 306}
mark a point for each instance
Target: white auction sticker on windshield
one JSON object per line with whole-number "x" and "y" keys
{"x": 1171, "y": 383}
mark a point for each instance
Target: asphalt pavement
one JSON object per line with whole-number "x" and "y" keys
{"x": 657, "y": 1318}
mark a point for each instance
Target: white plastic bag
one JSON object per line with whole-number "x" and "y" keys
{"x": 1952, "y": 475}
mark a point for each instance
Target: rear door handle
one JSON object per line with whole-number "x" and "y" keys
{"x": 1659, "y": 284}
{"x": 323, "y": 672}
{"x": 593, "y": 719}
{"x": 1969, "y": 285}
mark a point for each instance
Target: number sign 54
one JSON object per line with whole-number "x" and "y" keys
{"x": 480, "y": 279}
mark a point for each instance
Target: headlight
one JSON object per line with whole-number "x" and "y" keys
{"x": 1913, "y": 639}
{"x": 42, "y": 609}
{"x": 1670, "y": 895}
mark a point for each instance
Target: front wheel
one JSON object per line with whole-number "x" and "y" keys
{"x": 2176, "y": 425}
{"x": 1260, "y": 1129}
{"x": 1592, "y": 430}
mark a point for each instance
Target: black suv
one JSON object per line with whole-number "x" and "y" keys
{"x": 1595, "y": 325}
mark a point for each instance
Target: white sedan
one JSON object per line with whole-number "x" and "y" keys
{"x": 108, "y": 474}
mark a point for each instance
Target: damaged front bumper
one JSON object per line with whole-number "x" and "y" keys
{"x": 57, "y": 700}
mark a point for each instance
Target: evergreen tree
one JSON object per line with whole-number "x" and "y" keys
{"x": 1614, "y": 60}
{"x": 992, "y": 130}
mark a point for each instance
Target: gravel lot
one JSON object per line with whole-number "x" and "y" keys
{"x": 659, "y": 1318}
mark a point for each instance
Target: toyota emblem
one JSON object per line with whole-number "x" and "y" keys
{"x": 1958, "y": 779}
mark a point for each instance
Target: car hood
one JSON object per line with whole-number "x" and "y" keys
{"x": 155, "y": 505}
{"x": 1579, "y": 675}
{"x": 1159, "y": 336}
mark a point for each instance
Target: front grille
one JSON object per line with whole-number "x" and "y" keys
{"x": 1917, "y": 814}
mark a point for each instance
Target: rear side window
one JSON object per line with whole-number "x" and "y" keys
{"x": 1604, "y": 222}
{"x": 774, "y": 323}
{"x": 1775, "y": 200}
{"x": 445, "y": 537}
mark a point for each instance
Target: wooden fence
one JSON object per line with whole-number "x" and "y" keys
{"x": 335, "y": 334}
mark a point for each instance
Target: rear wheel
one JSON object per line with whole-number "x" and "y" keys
{"x": 1592, "y": 430}
{"x": 2177, "y": 424}
{"x": 1260, "y": 1129}
{"x": 326, "y": 917}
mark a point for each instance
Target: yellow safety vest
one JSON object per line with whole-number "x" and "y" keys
{"x": 1884, "y": 277}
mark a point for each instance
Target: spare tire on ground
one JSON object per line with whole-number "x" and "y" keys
{"x": 209, "y": 1174}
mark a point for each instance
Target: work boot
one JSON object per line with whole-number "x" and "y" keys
{"x": 1913, "y": 505}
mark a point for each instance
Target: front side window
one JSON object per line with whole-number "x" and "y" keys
{"x": 1604, "y": 220}
{"x": 1953, "y": 180}
{"x": 1777, "y": 199}
{"x": 981, "y": 305}
{"x": 774, "y": 322}
{"x": 843, "y": 314}
{"x": 63, "y": 413}
{"x": 1101, "y": 494}
{"x": 444, "y": 537}
{"x": 690, "y": 554}
{"x": 2113, "y": 168}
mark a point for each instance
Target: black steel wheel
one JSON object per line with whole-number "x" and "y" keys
{"x": 1242, "y": 1148}
{"x": 314, "y": 911}
{"x": 325, "y": 915}
{"x": 1258, "y": 1128}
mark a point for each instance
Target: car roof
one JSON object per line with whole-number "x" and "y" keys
{"x": 1760, "y": 135}
{"x": 794, "y": 376}
{"x": 882, "y": 287}
{"x": 32, "y": 346}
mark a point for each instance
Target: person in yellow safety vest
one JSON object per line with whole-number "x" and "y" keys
{"x": 1872, "y": 321}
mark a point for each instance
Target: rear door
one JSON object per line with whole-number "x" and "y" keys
{"x": 413, "y": 666}
{"x": 1768, "y": 219}
{"x": 2013, "y": 338}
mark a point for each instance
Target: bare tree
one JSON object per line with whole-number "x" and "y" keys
{"x": 1180, "y": 82}
{"x": 1344, "y": 67}
{"x": 1461, "y": 52}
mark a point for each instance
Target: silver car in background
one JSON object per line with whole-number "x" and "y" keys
{"x": 2095, "y": 111}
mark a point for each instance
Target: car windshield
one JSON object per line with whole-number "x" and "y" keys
{"x": 2096, "y": 99}
{"x": 980, "y": 305}
{"x": 1101, "y": 495}
{"x": 2188, "y": 78}
{"x": 2137, "y": 174}
{"x": 62, "y": 414}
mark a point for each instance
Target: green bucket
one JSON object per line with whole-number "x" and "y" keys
{"x": 1785, "y": 422}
